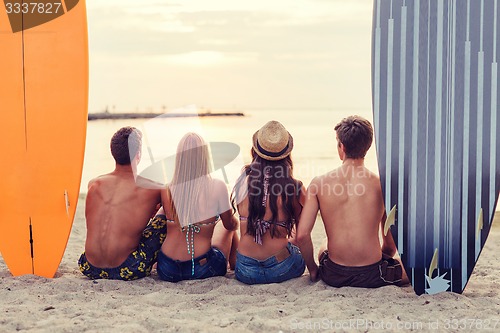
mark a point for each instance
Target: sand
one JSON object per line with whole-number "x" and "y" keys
{"x": 72, "y": 303}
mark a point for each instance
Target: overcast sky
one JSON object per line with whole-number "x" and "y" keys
{"x": 224, "y": 54}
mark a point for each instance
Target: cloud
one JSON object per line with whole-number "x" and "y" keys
{"x": 208, "y": 58}
{"x": 228, "y": 32}
{"x": 225, "y": 53}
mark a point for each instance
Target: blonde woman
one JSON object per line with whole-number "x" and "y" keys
{"x": 196, "y": 246}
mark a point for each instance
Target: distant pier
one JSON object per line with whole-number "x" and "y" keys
{"x": 139, "y": 115}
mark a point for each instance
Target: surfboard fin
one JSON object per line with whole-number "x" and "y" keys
{"x": 480, "y": 223}
{"x": 439, "y": 283}
{"x": 434, "y": 263}
{"x": 390, "y": 221}
{"x": 66, "y": 201}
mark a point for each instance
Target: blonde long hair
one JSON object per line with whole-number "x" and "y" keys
{"x": 191, "y": 180}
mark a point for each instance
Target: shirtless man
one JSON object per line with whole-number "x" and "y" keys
{"x": 350, "y": 202}
{"x": 121, "y": 244}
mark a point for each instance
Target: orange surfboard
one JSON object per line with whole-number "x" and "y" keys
{"x": 43, "y": 113}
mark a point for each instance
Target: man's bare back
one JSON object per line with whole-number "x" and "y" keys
{"x": 117, "y": 211}
{"x": 123, "y": 239}
{"x": 351, "y": 206}
{"x": 350, "y": 201}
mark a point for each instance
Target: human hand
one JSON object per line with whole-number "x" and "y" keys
{"x": 314, "y": 274}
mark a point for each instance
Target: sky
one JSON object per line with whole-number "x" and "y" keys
{"x": 154, "y": 55}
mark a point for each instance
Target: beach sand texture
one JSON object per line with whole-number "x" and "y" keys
{"x": 72, "y": 303}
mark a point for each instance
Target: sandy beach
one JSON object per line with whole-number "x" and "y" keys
{"x": 72, "y": 303}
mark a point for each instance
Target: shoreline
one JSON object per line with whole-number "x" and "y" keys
{"x": 148, "y": 115}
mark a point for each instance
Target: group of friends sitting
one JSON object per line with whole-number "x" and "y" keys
{"x": 188, "y": 229}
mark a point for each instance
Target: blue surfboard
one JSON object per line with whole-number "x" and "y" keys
{"x": 435, "y": 90}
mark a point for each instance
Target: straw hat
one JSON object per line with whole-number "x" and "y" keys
{"x": 272, "y": 142}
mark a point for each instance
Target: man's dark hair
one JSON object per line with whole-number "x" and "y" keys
{"x": 356, "y": 134}
{"x": 125, "y": 144}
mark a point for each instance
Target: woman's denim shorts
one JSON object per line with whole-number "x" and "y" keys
{"x": 271, "y": 270}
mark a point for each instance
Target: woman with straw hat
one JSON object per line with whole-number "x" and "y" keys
{"x": 269, "y": 201}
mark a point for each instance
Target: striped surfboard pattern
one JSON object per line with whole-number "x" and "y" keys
{"x": 435, "y": 101}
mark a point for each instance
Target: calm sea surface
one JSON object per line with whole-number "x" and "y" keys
{"x": 314, "y": 150}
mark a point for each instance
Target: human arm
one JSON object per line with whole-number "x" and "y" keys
{"x": 388, "y": 244}
{"x": 298, "y": 205}
{"x": 229, "y": 220}
{"x": 304, "y": 229}
{"x": 166, "y": 204}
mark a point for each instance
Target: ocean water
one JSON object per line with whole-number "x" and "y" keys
{"x": 314, "y": 151}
